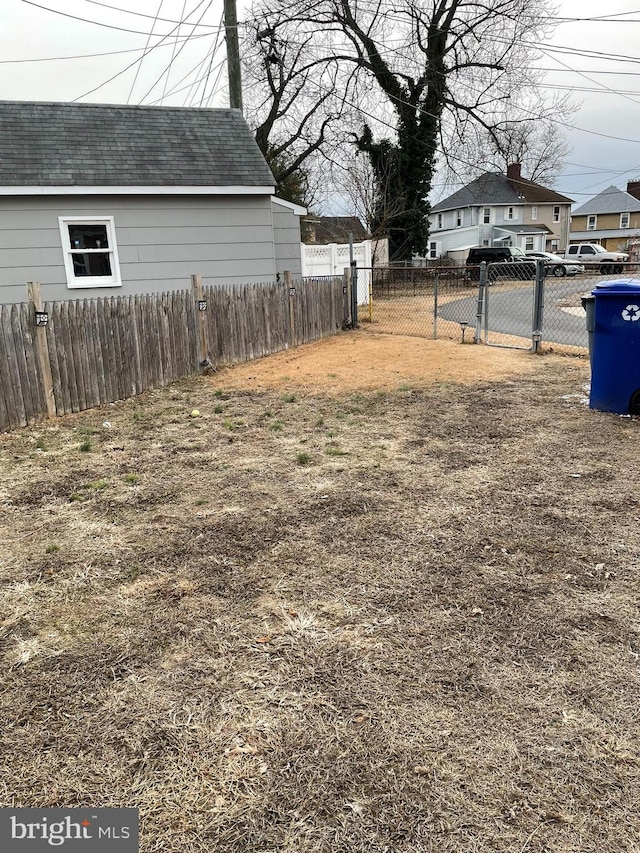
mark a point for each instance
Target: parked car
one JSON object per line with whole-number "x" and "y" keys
{"x": 595, "y": 256}
{"x": 556, "y": 265}
{"x": 502, "y": 262}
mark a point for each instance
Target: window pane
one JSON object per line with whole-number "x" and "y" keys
{"x": 94, "y": 264}
{"x": 88, "y": 236}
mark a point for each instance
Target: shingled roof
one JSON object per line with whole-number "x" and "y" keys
{"x": 611, "y": 200}
{"x": 494, "y": 188}
{"x": 58, "y": 144}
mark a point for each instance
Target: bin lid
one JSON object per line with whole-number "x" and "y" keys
{"x": 619, "y": 286}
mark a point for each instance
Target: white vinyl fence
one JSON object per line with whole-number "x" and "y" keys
{"x": 332, "y": 259}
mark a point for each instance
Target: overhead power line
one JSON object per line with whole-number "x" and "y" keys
{"x": 139, "y": 14}
{"x": 84, "y": 20}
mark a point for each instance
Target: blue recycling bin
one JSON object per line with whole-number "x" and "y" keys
{"x": 615, "y": 364}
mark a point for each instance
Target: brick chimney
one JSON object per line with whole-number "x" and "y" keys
{"x": 513, "y": 171}
{"x": 633, "y": 188}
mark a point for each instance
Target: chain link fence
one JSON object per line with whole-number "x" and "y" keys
{"x": 409, "y": 301}
{"x": 518, "y": 307}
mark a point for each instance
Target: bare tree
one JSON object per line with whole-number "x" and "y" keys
{"x": 538, "y": 144}
{"x": 436, "y": 63}
{"x": 291, "y": 126}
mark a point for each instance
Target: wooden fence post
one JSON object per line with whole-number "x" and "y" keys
{"x": 288, "y": 283}
{"x": 201, "y": 305}
{"x": 36, "y": 309}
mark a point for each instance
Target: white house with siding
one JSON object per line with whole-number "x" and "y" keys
{"x": 499, "y": 210}
{"x": 99, "y": 200}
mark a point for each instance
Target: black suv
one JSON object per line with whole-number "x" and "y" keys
{"x": 502, "y": 262}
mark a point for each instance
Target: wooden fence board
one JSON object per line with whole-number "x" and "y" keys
{"x": 13, "y": 374}
{"x": 57, "y": 357}
{"x": 29, "y": 389}
{"x": 69, "y": 349}
{"x": 8, "y": 404}
{"x": 103, "y": 333}
{"x": 53, "y": 358}
{"x": 95, "y": 353}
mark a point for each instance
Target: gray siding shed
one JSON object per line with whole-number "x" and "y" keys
{"x": 188, "y": 191}
{"x": 286, "y": 236}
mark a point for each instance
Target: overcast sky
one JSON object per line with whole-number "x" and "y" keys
{"x": 604, "y": 133}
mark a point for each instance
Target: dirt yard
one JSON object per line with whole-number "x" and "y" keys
{"x": 381, "y": 594}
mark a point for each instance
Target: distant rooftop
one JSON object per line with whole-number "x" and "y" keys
{"x": 333, "y": 229}
{"x": 493, "y": 188}
{"x": 611, "y": 200}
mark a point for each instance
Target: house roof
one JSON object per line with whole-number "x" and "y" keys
{"x": 611, "y": 200}
{"x": 66, "y": 145}
{"x": 336, "y": 229}
{"x": 494, "y": 188}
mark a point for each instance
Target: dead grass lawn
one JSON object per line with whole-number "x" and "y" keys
{"x": 381, "y": 596}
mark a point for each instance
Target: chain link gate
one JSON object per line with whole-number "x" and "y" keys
{"x": 511, "y": 304}
{"x": 432, "y": 302}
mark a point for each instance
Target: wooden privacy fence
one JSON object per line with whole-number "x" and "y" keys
{"x": 85, "y": 353}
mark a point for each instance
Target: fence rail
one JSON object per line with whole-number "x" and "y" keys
{"x": 96, "y": 351}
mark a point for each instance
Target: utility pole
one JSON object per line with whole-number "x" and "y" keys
{"x": 233, "y": 54}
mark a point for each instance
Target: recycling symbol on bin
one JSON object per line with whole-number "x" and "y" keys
{"x": 632, "y": 313}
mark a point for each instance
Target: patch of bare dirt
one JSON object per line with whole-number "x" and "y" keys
{"x": 366, "y": 360}
{"x": 382, "y": 594}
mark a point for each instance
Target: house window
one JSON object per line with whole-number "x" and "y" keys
{"x": 458, "y": 218}
{"x": 592, "y": 222}
{"x": 486, "y": 215}
{"x": 556, "y": 213}
{"x": 555, "y": 245}
{"x": 534, "y": 213}
{"x": 90, "y": 252}
{"x": 509, "y": 213}
{"x": 624, "y": 220}
{"x": 439, "y": 220}
{"x": 485, "y": 242}
{"x": 528, "y": 244}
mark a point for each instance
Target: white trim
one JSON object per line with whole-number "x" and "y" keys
{"x": 135, "y": 190}
{"x": 296, "y": 208}
{"x": 75, "y": 282}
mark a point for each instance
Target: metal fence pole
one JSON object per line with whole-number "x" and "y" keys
{"x": 538, "y": 306}
{"x": 435, "y": 307}
{"x": 354, "y": 295}
{"x": 481, "y": 302}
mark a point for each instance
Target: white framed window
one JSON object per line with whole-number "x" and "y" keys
{"x": 555, "y": 245}
{"x": 458, "y": 218}
{"x": 485, "y": 242}
{"x": 556, "y": 213}
{"x": 486, "y": 215}
{"x": 90, "y": 251}
{"x": 534, "y": 213}
{"x": 624, "y": 220}
{"x": 439, "y": 220}
{"x": 433, "y": 250}
{"x": 509, "y": 213}
{"x": 528, "y": 244}
{"x": 592, "y": 222}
